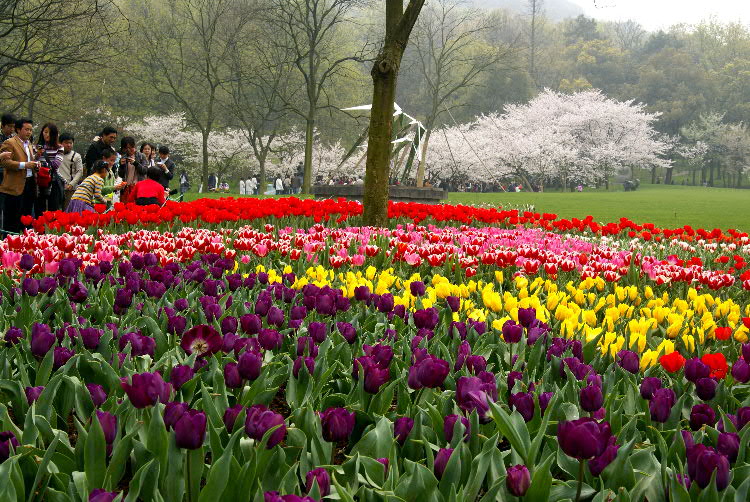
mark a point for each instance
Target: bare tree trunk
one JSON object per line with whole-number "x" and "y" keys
{"x": 423, "y": 161}
{"x": 309, "y": 140}
{"x": 204, "y": 147}
{"x": 399, "y": 24}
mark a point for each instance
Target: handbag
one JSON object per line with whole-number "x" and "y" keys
{"x": 44, "y": 177}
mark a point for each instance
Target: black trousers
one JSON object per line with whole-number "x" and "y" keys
{"x": 15, "y": 206}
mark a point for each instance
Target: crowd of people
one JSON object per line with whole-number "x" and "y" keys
{"x": 49, "y": 175}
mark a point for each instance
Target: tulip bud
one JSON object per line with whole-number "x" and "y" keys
{"x": 337, "y": 423}
{"x": 309, "y": 362}
{"x": 190, "y": 430}
{"x": 512, "y": 332}
{"x": 700, "y": 415}
{"x": 526, "y": 316}
{"x": 584, "y": 438}
{"x": 706, "y": 388}
{"x": 230, "y": 416}
{"x": 649, "y": 385}
{"x": 98, "y": 395}
{"x": 249, "y": 365}
{"x": 728, "y": 444}
{"x": 401, "y": 429}
{"x": 523, "y": 402}
{"x": 100, "y": 495}
{"x": 591, "y": 398}
{"x": 741, "y": 370}
{"x": 33, "y": 393}
{"x": 441, "y": 461}
{"x": 260, "y": 420}
{"x": 695, "y": 369}
{"x": 449, "y": 425}
{"x": 518, "y": 480}
{"x": 321, "y": 477}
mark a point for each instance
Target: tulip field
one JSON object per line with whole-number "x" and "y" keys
{"x": 277, "y": 350}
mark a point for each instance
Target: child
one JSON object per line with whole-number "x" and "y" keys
{"x": 89, "y": 191}
{"x": 150, "y": 191}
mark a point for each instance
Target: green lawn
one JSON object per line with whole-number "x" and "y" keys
{"x": 664, "y": 206}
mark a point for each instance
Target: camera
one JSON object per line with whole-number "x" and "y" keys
{"x": 43, "y": 163}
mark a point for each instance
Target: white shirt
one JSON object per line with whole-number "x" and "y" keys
{"x": 29, "y": 157}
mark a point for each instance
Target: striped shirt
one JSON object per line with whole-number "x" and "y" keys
{"x": 90, "y": 190}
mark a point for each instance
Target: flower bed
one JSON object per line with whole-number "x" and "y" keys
{"x": 267, "y": 362}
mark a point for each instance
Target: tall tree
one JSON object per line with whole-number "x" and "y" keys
{"x": 187, "y": 56}
{"x": 535, "y": 13}
{"x": 399, "y": 23}
{"x": 451, "y": 54}
{"x": 260, "y": 86}
{"x": 313, "y": 30}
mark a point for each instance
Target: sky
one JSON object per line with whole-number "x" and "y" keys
{"x": 655, "y": 14}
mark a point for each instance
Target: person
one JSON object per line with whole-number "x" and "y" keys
{"x": 103, "y": 142}
{"x": 296, "y": 183}
{"x": 184, "y": 182}
{"x": 132, "y": 167}
{"x": 150, "y": 191}
{"x": 90, "y": 190}
{"x": 242, "y": 187}
{"x": 149, "y": 151}
{"x": 7, "y": 129}
{"x": 112, "y": 183}
{"x": 279, "y": 186}
{"x": 7, "y": 126}
{"x": 167, "y": 167}
{"x": 51, "y": 191}
{"x": 253, "y": 182}
{"x": 71, "y": 168}
{"x": 19, "y": 183}
{"x": 288, "y": 185}
{"x": 212, "y": 182}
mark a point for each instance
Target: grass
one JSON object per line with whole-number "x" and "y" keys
{"x": 664, "y": 206}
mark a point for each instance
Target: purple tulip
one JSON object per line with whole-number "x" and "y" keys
{"x": 47, "y": 285}
{"x": 591, "y": 398}
{"x": 402, "y": 428}
{"x": 706, "y": 388}
{"x": 598, "y": 464}
{"x": 230, "y": 416}
{"x": 476, "y": 364}
{"x": 743, "y": 417}
{"x": 321, "y": 477}
{"x": 472, "y": 394}
{"x": 544, "y": 399}
{"x": 14, "y": 335}
{"x": 108, "y": 423}
{"x": 30, "y": 286}
{"x": 338, "y": 424}
{"x": 700, "y": 415}
{"x": 140, "y": 345}
{"x": 306, "y": 345}
{"x": 695, "y": 369}
{"x": 385, "y": 463}
{"x": 661, "y": 405}
{"x": 454, "y": 303}
{"x": 512, "y": 332}
{"x": 98, "y": 395}
{"x": 386, "y": 303}
{"x": 33, "y": 393}
{"x": 181, "y": 304}
{"x": 7, "y": 439}
{"x": 449, "y": 424}
{"x": 260, "y": 420}
{"x": 60, "y": 356}
{"x": 380, "y": 354}
{"x": 229, "y": 325}
{"x": 42, "y": 339}
{"x": 318, "y": 331}
{"x": 26, "y": 263}
{"x": 347, "y": 331}
{"x": 703, "y": 461}
{"x": 176, "y": 325}
{"x": 325, "y": 304}
{"x": 275, "y": 497}
{"x": 513, "y": 377}
{"x": 250, "y": 324}
{"x": 459, "y": 327}
{"x": 90, "y": 337}
{"x": 518, "y": 480}
{"x": 728, "y": 444}
{"x": 426, "y": 318}
{"x": 308, "y": 362}
{"x": 649, "y": 385}
{"x": 203, "y": 340}
{"x": 523, "y": 402}
{"x": 431, "y": 371}
{"x": 190, "y": 430}
{"x": 629, "y": 361}
{"x": 741, "y": 371}
{"x": 441, "y": 461}
{"x": 584, "y": 438}
{"x": 180, "y": 375}
{"x": 173, "y": 412}
{"x": 270, "y": 339}
{"x": 77, "y": 292}
{"x": 146, "y": 389}
{"x": 100, "y": 495}
{"x": 275, "y": 317}
{"x": 526, "y": 316}
{"x": 250, "y": 364}
{"x": 232, "y": 377}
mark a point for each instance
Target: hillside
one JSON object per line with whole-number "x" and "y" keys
{"x": 554, "y": 9}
